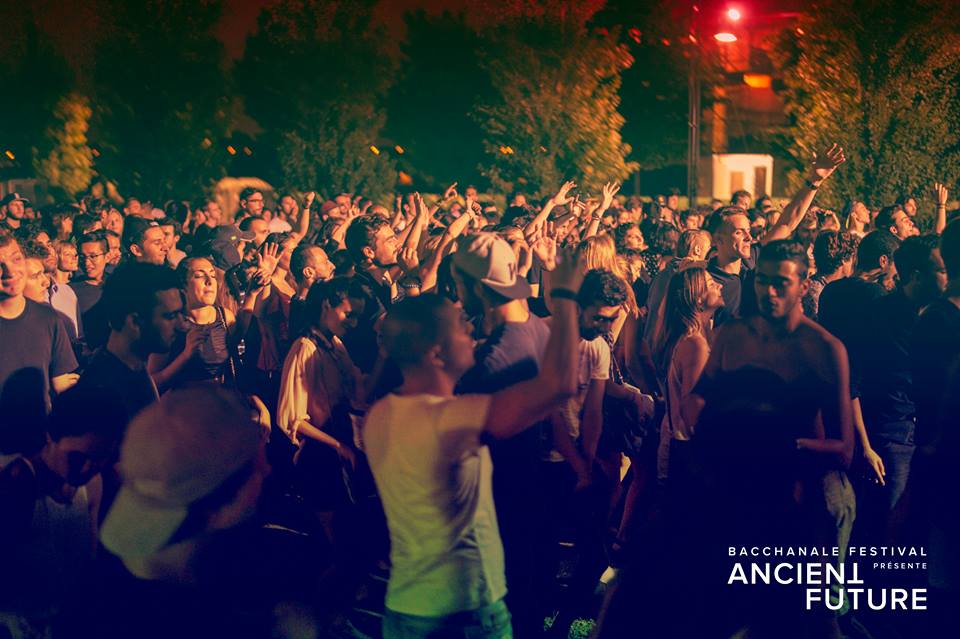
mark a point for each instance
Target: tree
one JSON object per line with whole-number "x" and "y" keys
{"x": 314, "y": 77}
{"x": 34, "y": 77}
{"x": 555, "y": 114}
{"x": 160, "y": 97}
{"x": 430, "y": 105}
{"x": 65, "y": 162}
{"x": 655, "y": 87}
{"x": 880, "y": 77}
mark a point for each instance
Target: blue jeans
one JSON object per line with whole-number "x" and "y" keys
{"x": 489, "y": 622}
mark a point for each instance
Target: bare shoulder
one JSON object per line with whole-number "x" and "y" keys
{"x": 826, "y": 353}
{"x": 691, "y": 346}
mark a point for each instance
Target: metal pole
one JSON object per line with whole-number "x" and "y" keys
{"x": 693, "y": 114}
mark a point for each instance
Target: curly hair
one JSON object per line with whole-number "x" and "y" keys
{"x": 831, "y": 249}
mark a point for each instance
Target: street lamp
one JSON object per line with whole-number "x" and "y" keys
{"x": 732, "y": 15}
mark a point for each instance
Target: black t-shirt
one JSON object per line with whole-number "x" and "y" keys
{"x": 731, "y": 289}
{"x": 844, "y": 310}
{"x": 886, "y": 390}
{"x": 87, "y": 294}
{"x": 36, "y": 339}
{"x": 134, "y": 387}
{"x": 935, "y": 355}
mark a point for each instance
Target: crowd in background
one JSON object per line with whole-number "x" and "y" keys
{"x": 231, "y": 425}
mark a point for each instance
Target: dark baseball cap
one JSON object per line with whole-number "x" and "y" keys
{"x": 12, "y": 197}
{"x": 223, "y": 245}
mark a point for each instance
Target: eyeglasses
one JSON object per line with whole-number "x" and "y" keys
{"x": 89, "y": 257}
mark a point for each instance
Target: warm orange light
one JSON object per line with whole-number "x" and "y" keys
{"x": 231, "y": 150}
{"x": 757, "y": 80}
{"x": 374, "y": 150}
{"x": 398, "y": 149}
{"x": 725, "y": 37}
{"x": 734, "y": 14}
{"x": 405, "y": 178}
{"x": 10, "y": 155}
{"x": 247, "y": 150}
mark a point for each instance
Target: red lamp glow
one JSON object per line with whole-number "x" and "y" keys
{"x": 725, "y": 37}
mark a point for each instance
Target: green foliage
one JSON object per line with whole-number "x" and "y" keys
{"x": 34, "y": 78}
{"x": 430, "y": 105}
{"x": 655, "y": 87}
{"x": 66, "y": 160}
{"x": 313, "y": 77}
{"x": 880, "y": 77}
{"x": 556, "y": 114}
{"x": 160, "y": 97}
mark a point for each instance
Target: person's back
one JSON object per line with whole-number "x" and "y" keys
{"x": 434, "y": 477}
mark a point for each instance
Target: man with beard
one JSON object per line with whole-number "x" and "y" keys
{"x": 374, "y": 248}
{"x": 141, "y": 303}
{"x": 887, "y": 397}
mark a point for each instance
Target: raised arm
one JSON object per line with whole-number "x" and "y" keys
{"x": 822, "y": 167}
{"x": 940, "y": 193}
{"x": 303, "y": 224}
{"x": 559, "y": 199}
{"x": 517, "y": 407}
{"x": 610, "y": 190}
{"x": 428, "y": 275}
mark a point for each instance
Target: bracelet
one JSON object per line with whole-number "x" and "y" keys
{"x": 563, "y": 294}
{"x": 812, "y": 186}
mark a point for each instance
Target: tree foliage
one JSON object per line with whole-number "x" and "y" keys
{"x": 34, "y": 77}
{"x": 160, "y": 97}
{"x": 65, "y": 161}
{"x": 880, "y": 77}
{"x": 314, "y": 77}
{"x": 429, "y": 107}
{"x": 555, "y": 114}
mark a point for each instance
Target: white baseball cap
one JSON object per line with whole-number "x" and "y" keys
{"x": 487, "y": 257}
{"x": 175, "y": 452}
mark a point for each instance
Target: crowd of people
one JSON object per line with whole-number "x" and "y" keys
{"x": 222, "y": 425}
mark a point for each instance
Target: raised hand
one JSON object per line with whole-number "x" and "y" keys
{"x": 826, "y": 162}
{"x": 561, "y": 197}
{"x": 450, "y": 192}
{"x": 544, "y": 246}
{"x": 610, "y": 190}
{"x": 408, "y": 259}
{"x": 569, "y": 271}
{"x": 524, "y": 258}
{"x": 308, "y": 202}
{"x": 940, "y": 193}
{"x": 268, "y": 258}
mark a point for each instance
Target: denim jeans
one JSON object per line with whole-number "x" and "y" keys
{"x": 489, "y": 622}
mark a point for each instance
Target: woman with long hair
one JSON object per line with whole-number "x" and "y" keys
{"x": 681, "y": 349}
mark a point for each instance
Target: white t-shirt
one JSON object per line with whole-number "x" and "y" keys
{"x": 434, "y": 478}
{"x": 594, "y": 364}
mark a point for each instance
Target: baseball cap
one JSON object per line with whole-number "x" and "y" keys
{"x": 11, "y": 197}
{"x": 175, "y": 452}
{"x": 487, "y": 257}
{"x": 223, "y": 245}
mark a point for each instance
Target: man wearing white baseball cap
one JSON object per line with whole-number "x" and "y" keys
{"x": 512, "y": 350}
{"x": 192, "y": 464}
